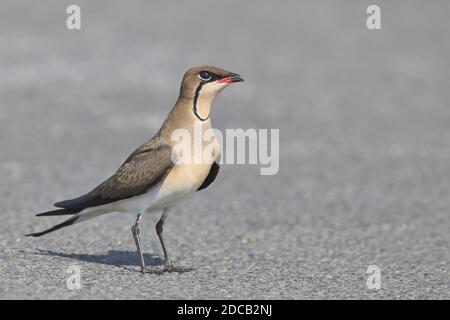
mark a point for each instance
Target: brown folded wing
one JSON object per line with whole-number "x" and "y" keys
{"x": 144, "y": 169}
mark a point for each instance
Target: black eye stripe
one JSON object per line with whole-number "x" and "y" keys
{"x": 208, "y": 76}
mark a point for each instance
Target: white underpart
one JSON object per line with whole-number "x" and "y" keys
{"x": 153, "y": 201}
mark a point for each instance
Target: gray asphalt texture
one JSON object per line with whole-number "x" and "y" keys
{"x": 364, "y": 121}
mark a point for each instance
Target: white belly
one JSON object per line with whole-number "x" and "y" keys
{"x": 154, "y": 200}
{"x": 182, "y": 182}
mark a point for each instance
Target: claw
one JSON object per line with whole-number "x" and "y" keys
{"x": 167, "y": 268}
{"x": 177, "y": 269}
{"x": 153, "y": 271}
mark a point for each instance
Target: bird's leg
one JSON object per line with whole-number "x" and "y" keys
{"x": 135, "y": 231}
{"x": 168, "y": 266}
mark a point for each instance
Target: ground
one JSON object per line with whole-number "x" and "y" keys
{"x": 364, "y": 123}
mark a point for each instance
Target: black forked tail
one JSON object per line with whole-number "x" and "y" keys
{"x": 59, "y": 212}
{"x": 63, "y": 224}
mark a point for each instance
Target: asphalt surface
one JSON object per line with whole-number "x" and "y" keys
{"x": 364, "y": 121}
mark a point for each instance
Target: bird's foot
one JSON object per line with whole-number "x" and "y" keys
{"x": 152, "y": 271}
{"x": 168, "y": 267}
{"x": 172, "y": 268}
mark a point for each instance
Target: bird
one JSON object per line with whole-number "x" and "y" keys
{"x": 151, "y": 180}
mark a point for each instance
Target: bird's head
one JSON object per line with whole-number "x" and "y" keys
{"x": 206, "y": 82}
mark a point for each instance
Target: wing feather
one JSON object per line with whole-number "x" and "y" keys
{"x": 144, "y": 168}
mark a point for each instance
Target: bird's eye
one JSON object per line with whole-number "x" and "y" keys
{"x": 205, "y": 76}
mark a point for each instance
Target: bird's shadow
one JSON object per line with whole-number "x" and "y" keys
{"x": 112, "y": 257}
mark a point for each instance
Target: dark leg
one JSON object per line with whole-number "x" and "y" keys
{"x": 168, "y": 266}
{"x": 135, "y": 231}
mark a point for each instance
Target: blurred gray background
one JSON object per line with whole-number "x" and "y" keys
{"x": 364, "y": 121}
